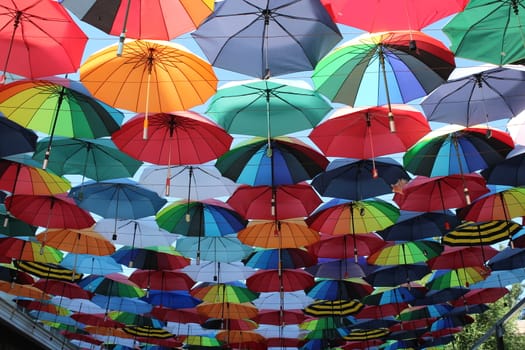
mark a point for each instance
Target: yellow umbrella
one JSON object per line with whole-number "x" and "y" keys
{"x": 157, "y": 76}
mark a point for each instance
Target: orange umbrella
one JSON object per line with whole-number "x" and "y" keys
{"x": 234, "y": 311}
{"x": 108, "y": 331}
{"x": 149, "y": 76}
{"x": 292, "y": 233}
{"x": 239, "y": 337}
{"x": 23, "y": 290}
{"x": 78, "y": 241}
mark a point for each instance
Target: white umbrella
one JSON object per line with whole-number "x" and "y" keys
{"x": 220, "y": 272}
{"x": 289, "y": 300}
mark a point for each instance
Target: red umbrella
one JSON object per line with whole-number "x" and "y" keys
{"x": 391, "y": 14}
{"x": 62, "y": 288}
{"x": 287, "y": 280}
{"x": 177, "y": 138}
{"x": 98, "y": 320}
{"x": 381, "y": 311}
{"x": 346, "y": 246}
{"x": 367, "y": 129}
{"x": 440, "y": 192}
{"x": 162, "y": 279}
{"x": 21, "y": 249}
{"x": 279, "y": 317}
{"x": 35, "y": 33}
{"x": 50, "y": 211}
{"x": 275, "y": 202}
{"x": 481, "y": 296}
{"x": 184, "y": 315}
{"x": 82, "y": 337}
{"x": 462, "y": 256}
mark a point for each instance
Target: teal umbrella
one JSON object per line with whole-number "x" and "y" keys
{"x": 267, "y": 108}
{"x": 97, "y": 159}
{"x": 222, "y": 249}
{"x": 489, "y": 31}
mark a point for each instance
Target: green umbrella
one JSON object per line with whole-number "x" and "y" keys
{"x": 406, "y": 253}
{"x": 267, "y": 108}
{"x": 489, "y": 31}
{"x": 97, "y": 159}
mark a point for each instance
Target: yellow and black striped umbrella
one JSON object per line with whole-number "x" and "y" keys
{"x": 148, "y": 332}
{"x": 333, "y": 308}
{"x": 48, "y": 270}
{"x": 481, "y": 233}
{"x": 366, "y": 334}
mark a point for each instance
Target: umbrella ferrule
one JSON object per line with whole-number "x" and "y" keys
{"x": 266, "y": 13}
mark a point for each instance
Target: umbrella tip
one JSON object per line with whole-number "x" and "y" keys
{"x": 267, "y": 74}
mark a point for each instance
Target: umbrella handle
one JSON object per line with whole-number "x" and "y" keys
{"x": 124, "y": 30}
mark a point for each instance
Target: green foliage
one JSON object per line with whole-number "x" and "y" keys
{"x": 485, "y": 321}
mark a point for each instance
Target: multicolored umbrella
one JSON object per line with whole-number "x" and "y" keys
{"x": 406, "y": 253}
{"x": 287, "y": 258}
{"x": 227, "y": 310}
{"x": 29, "y": 250}
{"x": 222, "y": 292}
{"x": 113, "y": 284}
{"x": 381, "y": 68}
{"x": 459, "y": 277}
{"x": 269, "y": 35}
{"x": 457, "y": 150}
{"x": 284, "y": 161}
{"x": 348, "y": 289}
{"x": 35, "y": 33}
{"x": 503, "y": 205}
{"x": 151, "y": 258}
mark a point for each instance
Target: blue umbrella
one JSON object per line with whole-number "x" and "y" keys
{"x": 288, "y": 258}
{"x": 354, "y": 288}
{"x": 510, "y": 172}
{"x": 508, "y": 259}
{"x": 400, "y": 294}
{"x": 468, "y": 309}
{"x": 501, "y": 278}
{"x": 15, "y": 139}
{"x": 116, "y": 303}
{"x": 117, "y": 198}
{"x": 340, "y": 268}
{"x": 224, "y": 249}
{"x": 171, "y": 299}
{"x": 359, "y": 179}
{"x": 91, "y": 264}
{"x": 441, "y": 296}
{"x": 393, "y": 275}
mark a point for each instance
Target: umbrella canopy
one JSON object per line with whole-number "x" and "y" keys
{"x": 508, "y": 259}
{"x": 218, "y": 272}
{"x": 481, "y": 233}
{"x": 15, "y": 138}
{"x": 213, "y": 248}
{"x": 91, "y": 264}
{"x": 217, "y": 292}
{"x": 397, "y": 274}
{"x": 460, "y": 150}
{"x": 440, "y": 192}
{"x": 275, "y": 37}
{"x": 267, "y": 108}
{"x": 368, "y": 128}
{"x": 97, "y": 159}
{"x": 275, "y": 202}
{"x": 352, "y": 288}
{"x": 507, "y": 172}
{"x": 133, "y": 20}
{"x": 48, "y": 270}
{"x": 113, "y": 284}
{"x": 49, "y": 211}
{"x": 503, "y": 205}
{"x": 459, "y": 277}
{"x": 80, "y": 241}
{"x": 149, "y": 76}
{"x": 359, "y": 179}
{"x": 477, "y": 98}
{"x": 151, "y": 258}
{"x": 458, "y": 257}
{"x": 227, "y": 310}
{"x": 285, "y": 301}
{"x": 191, "y": 182}
{"x": 281, "y": 161}
{"x": 176, "y": 138}
{"x": 117, "y": 198}
{"x": 274, "y": 280}
{"x": 287, "y": 258}
{"x": 406, "y": 253}
{"x": 12, "y": 274}
{"x": 61, "y": 288}
{"x": 35, "y": 33}
{"x": 391, "y": 14}
{"x": 125, "y": 304}
{"x": 337, "y": 269}
{"x": 278, "y": 234}
{"x": 321, "y": 308}
{"x": 345, "y": 246}
{"x": 481, "y": 296}
{"x": 13, "y": 226}
{"x": 381, "y": 68}
{"x": 488, "y": 22}
{"x": 161, "y": 279}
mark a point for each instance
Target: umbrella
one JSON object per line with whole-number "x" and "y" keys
{"x": 477, "y": 98}
{"x": 348, "y": 289}
{"x": 62, "y": 288}
{"x": 404, "y": 293}
{"x": 151, "y": 258}
{"x": 481, "y": 296}
{"x": 274, "y": 202}
{"x": 368, "y": 128}
{"x": 283, "y": 301}
{"x": 173, "y": 299}
{"x": 274, "y": 280}
{"x": 424, "y": 312}
{"x": 217, "y": 292}
{"x": 391, "y": 14}
{"x": 118, "y": 303}
{"x": 112, "y": 284}
{"x": 413, "y": 226}
{"x": 132, "y": 318}
{"x": 28, "y": 250}
{"x": 275, "y": 37}
{"x": 267, "y": 108}
{"x": 91, "y": 264}
{"x": 278, "y": 234}
{"x": 321, "y": 308}
{"x": 97, "y": 159}
{"x": 337, "y": 269}
{"x": 212, "y": 248}
{"x": 440, "y": 192}
{"x": 20, "y": 175}
{"x": 457, "y": 150}
{"x": 161, "y": 279}
{"x": 15, "y": 138}
{"x": 343, "y": 246}
{"x": 340, "y": 216}
{"x": 134, "y": 19}
{"x": 147, "y": 332}
{"x": 117, "y": 198}
{"x": 458, "y": 277}
{"x": 35, "y": 33}
{"x": 176, "y": 138}
{"x": 227, "y": 310}
{"x": 279, "y": 317}
{"x": 138, "y": 233}
{"x": 78, "y": 241}
{"x": 146, "y": 73}
{"x": 508, "y": 171}
{"x": 393, "y": 275}
{"x": 438, "y": 296}
{"x": 12, "y": 274}
{"x": 99, "y": 320}
{"x": 284, "y": 161}
{"x": 48, "y": 270}
{"x": 503, "y": 205}
{"x": 58, "y": 106}
{"x": 406, "y": 253}
{"x": 191, "y": 182}
{"x": 13, "y": 226}
{"x": 508, "y": 259}
{"x": 287, "y": 258}
{"x": 481, "y": 233}
{"x": 461, "y": 256}
{"x": 487, "y": 22}
{"x": 359, "y": 179}
{"x": 381, "y": 69}
{"x": 219, "y": 272}
{"x": 49, "y": 211}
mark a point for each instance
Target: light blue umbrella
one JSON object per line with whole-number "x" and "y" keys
{"x": 223, "y": 249}
{"x": 91, "y": 264}
{"x": 115, "y": 303}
